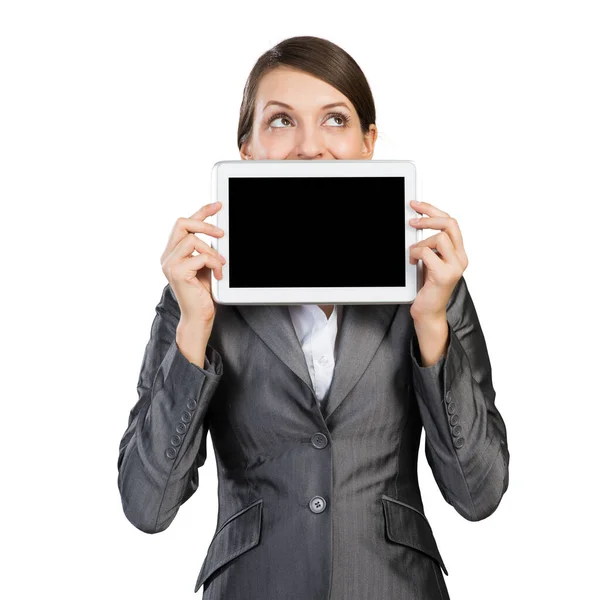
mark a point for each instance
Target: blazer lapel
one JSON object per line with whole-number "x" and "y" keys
{"x": 273, "y": 324}
{"x": 362, "y": 328}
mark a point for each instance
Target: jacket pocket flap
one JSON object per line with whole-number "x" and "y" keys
{"x": 239, "y": 533}
{"x": 407, "y": 525}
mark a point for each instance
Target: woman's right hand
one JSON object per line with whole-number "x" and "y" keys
{"x": 189, "y": 276}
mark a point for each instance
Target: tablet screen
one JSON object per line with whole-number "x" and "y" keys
{"x": 316, "y": 232}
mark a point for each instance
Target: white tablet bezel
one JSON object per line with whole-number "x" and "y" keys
{"x": 223, "y": 170}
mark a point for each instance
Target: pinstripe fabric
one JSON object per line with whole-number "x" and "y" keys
{"x": 277, "y": 448}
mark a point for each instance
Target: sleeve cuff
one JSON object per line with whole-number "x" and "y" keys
{"x": 181, "y": 394}
{"x": 213, "y": 364}
{"x": 430, "y": 380}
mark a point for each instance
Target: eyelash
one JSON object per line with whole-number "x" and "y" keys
{"x": 342, "y": 116}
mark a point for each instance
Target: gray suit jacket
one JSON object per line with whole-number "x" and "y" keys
{"x": 315, "y": 502}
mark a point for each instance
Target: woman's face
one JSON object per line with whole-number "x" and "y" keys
{"x": 304, "y": 129}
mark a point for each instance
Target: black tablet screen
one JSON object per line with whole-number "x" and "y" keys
{"x": 316, "y": 232}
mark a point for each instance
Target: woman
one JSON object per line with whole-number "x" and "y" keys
{"x": 318, "y": 490}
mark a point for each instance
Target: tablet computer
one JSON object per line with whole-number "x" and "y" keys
{"x": 315, "y": 231}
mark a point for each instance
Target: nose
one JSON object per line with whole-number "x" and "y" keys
{"x": 310, "y": 144}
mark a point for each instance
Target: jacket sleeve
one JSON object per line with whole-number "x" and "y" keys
{"x": 466, "y": 445}
{"x": 165, "y": 440}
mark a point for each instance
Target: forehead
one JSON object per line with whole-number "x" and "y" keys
{"x": 299, "y": 89}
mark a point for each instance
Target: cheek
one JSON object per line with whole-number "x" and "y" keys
{"x": 275, "y": 145}
{"x": 269, "y": 145}
{"x": 344, "y": 146}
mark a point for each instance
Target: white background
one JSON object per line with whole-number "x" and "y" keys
{"x": 111, "y": 116}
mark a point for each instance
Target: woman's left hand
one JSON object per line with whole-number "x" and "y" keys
{"x": 442, "y": 271}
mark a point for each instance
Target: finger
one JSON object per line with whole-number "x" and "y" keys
{"x": 192, "y": 243}
{"x": 184, "y": 226}
{"x": 198, "y": 265}
{"x": 441, "y": 243}
{"x": 186, "y": 247}
{"x": 428, "y": 256}
{"x": 446, "y": 224}
{"x": 206, "y": 210}
{"x": 179, "y": 229}
{"x": 203, "y": 267}
{"x": 199, "y": 226}
{"x": 428, "y": 209}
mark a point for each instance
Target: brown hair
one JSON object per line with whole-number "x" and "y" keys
{"x": 319, "y": 57}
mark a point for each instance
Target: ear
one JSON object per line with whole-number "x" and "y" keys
{"x": 369, "y": 140}
{"x": 245, "y": 152}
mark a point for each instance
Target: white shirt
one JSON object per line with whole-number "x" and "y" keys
{"x": 318, "y": 337}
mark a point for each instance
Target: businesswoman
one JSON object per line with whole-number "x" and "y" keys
{"x": 315, "y": 412}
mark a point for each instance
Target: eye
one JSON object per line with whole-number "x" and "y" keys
{"x": 341, "y": 117}
{"x": 284, "y": 117}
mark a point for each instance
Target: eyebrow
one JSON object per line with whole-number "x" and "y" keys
{"x": 332, "y": 105}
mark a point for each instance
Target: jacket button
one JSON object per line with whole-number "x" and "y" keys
{"x": 460, "y": 442}
{"x": 191, "y": 404}
{"x": 454, "y": 419}
{"x": 319, "y": 440}
{"x": 448, "y": 397}
{"x": 181, "y": 427}
{"x": 171, "y": 452}
{"x": 186, "y": 416}
{"x": 456, "y": 430}
{"x": 451, "y": 407}
{"x": 317, "y": 504}
{"x": 176, "y": 440}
